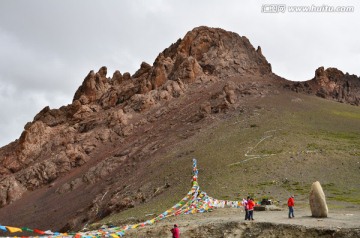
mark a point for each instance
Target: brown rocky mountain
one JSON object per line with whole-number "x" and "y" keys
{"x": 105, "y": 152}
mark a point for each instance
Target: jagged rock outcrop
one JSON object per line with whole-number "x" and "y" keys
{"x": 331, "y": 83}
{"x": 337, "y": 85}
{"x": 203, "y": 52}
{"x": 93, "y": 87}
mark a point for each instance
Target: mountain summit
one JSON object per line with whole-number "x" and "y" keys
{"x": 115, "y": 146}
{"x": 203, "y": 53}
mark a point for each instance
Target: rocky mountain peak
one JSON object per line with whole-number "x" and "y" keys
{"x": 203, "y": 52}
{"x": 210, "y": 51}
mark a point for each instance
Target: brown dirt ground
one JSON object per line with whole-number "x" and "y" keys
{"x": 222, "y": 217}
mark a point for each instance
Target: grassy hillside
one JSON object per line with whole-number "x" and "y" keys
{"x": 272, "y": 147}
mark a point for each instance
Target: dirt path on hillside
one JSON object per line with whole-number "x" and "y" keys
{"x": 223, "y": 219}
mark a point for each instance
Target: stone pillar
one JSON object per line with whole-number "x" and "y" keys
{"x": 317, "y": 201}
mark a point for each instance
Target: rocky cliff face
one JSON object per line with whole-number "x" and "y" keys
{"x": 92, "y": 153}
{"x": 331, "y": 84}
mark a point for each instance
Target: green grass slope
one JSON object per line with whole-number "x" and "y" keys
{"x": 270, "y": 148}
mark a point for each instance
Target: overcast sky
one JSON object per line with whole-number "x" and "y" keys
{"x": 48, "y": 47}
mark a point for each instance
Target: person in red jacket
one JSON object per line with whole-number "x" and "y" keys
{"x": 175, "y": 231}
{"x": 245, "y": 204}
{"x": 291, "y": 203}
{"x": 251, "y": 205}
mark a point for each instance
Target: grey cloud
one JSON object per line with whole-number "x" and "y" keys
{"x": 48, "y": 47}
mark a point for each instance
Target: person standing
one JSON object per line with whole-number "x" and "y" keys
{"x": 291, "y": 203}
{"x": 251, "y": 205}
{"x": 175, "y": 231}
{"x": 246, "y": 208}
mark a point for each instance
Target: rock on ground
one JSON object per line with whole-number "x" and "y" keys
{"x": 317, "y": 200}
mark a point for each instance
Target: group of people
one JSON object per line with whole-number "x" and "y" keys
{"x": 249, "y": 205}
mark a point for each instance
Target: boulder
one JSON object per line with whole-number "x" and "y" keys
{"x": 317, "y": 201}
